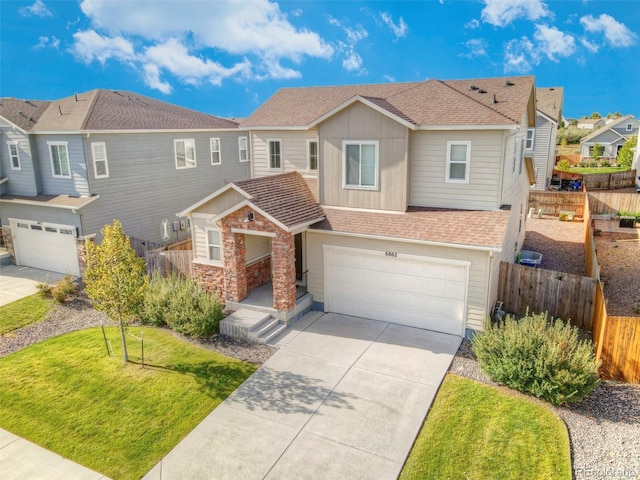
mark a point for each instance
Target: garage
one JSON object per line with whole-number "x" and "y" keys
{"x": 45, "y": 245}
{"x": 418, "y": 291}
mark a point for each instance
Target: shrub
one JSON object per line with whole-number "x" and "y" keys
{"x": 605, "y": 163}
{"x": 183, "y": 305}
{"x": 61, "y": 290}
{"x": 538, "y": 356}
{"x": 564, "y": 165}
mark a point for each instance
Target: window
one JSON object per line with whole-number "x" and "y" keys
{"x": 531, "y": 135}
{"x": 216, "y": 159}
{"x": 275, "y": 154}
{"x": 214, "y": 249}
{"x": 312, "y": 154}
{"x": 14, "y": 156}
{"x": 59, "y": 153}
{"x": 458, "y": 160}
{"x": 360, "y": 164}
{"x": 243, "y": 149}
{"x": 185, "y": 153}
{"x": 629, "y": 127}
{"x": 100, "y": 167}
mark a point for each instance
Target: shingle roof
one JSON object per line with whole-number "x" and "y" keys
{"x": 484, "y": 229}
{"x": 604, "y": 128}
{"x": 22, "y": 113}
{"x": 549, "y": 101}
{"x": 429, "y": 103}
{"x": 111, "y": 110}
{"x": 285, "y": 197}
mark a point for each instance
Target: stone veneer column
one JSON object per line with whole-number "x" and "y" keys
{"x": 283, "y": 261}
{"x": 235, "y": 275}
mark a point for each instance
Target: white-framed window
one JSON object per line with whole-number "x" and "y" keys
{"x": 214, "y": 245}
{"x": 14, "y": 156}
{"x": 59, "y": 153}
{"x": 531, "y": 137}
{"x": 458, "y": 161}
{"x": 216, "y": 156}
{"x": 629, "y": 127}
{"x": 275, "y": 153}
{"x": 243, "y": 149}
{"x": 312, "y": 154}
{"x": 360, "y": 164}
{"x": 100, "y": 165}
{"x": 185, "y": 151}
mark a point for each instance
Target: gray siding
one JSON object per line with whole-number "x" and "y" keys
{"x": 41, "y": 214}
{"x": 78, "y": 184}
{"x": 23, "y": 181}
{"x": 144, "y": 188}
{"x": 543, "y": 152}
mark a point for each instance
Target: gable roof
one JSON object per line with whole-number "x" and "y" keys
{"x": 549, "y": 101}
{"x": 481, "y": 102}
{"x": 606, "y": 128}
{"x": 113, "y": 110}
{"x": 24, "y": 114}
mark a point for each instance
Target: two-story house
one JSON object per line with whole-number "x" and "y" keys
{"x": 70, "y": 166}
{"x": 541, "y": 140}
{"x": 394, "y": 202}
{"x": 611, "y": 137}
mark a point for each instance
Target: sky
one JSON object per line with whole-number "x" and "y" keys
{"x": 226, "y": 57}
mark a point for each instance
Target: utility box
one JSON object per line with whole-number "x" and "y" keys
{"x": 628, "y": 222}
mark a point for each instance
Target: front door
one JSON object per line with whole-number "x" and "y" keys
{"x": 300, "y": 273}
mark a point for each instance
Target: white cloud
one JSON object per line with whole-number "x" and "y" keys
{"x": 389, "y": 78}
{"x": 501, "y": 13}
{"x": 399, "y": 29}
{"x": 520, "y": 55}
{"x": 38, "y": 9}
{"x": 472, "y": 24}
{"x": 592, "y": 47}
{"x": 554, "y": 43}
{"x": 167, "y": 38}
{"x": 352, "y": 61}
{"x": 477, "y": 47}
{"x": 47, "y": 42}
{"x": 616, "y": 33}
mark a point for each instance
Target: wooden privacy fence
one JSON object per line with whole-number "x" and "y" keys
{"x": 552, "y": 203}
{"x": 610, "y": 203}
{"x": 609, "y": 181}
{"x": 562, "y": 295}
{"x": 166, "y": 262}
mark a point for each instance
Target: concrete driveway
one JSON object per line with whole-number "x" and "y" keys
{"x": 17, "y": 282}
{"x": 343, "y": 397}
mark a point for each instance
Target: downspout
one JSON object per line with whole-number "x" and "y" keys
{"x": 490, "y": 270}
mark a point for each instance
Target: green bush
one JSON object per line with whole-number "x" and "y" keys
{"x": 183, "y": 305}
{"x": 538, "y": 356}
{"x": 60, "y": 291}
{"x": 564, "y": 165}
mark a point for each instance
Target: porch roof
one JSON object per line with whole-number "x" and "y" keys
{"x": 468, "y": 228}
{"x": 57, "y": 201}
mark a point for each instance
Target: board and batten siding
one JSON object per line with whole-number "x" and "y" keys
{"x": 543, "y": 152}
{"x": 428, "y": 186}
{"x": 294, "y": 151}
{"x": 144, "y": 187}
{"x": 24, "y": 180}
{"x": 78, "y": 183}
{"x": 360, "y": 122}
{"x": 477, "y": 308}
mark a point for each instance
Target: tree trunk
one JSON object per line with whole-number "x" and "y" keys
{"x": 124, "y": 340}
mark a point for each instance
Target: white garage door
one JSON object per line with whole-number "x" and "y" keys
{"x": 412, "y": 290}
{"x": 45, "y": 246}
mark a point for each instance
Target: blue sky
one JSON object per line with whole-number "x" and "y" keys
{"x": 227, "y": 57}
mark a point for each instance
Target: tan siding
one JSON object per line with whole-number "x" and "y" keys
{"x": 294, "y": 151}
{"x": 256, "y": 246}
{"x": 222, "y": 203}
{"x": 199, "y": 226}
{"x": 428, "y": 170}
{"x": 359, "y": 122}
{"x": 478, "y": 275}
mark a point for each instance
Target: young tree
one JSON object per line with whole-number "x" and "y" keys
{"x": 596, "y": 151}
{"x": 625, "y": 155}
{"x": 595, "y": 115}
{"x": 115, "y": 278}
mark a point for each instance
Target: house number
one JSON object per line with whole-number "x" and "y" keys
{"x": 391, "y": 254}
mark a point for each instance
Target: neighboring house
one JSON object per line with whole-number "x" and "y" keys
{"x": 395, "y": 202}
{"x": 70, "y": 166}
{"x": 541, "y": 140}
{"x": 612, "y": 138}
{"x": 590, "y": 123}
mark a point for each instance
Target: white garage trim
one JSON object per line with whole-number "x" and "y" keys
{"x": 48, "y": 246}
{"x": 414, "y": 290}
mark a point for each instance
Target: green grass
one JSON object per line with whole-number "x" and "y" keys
{"x": 67, "y": 395}
{"x": 23, "y": 312}
{"x": 476, "y": 431}
{"x": 587, "y": 170}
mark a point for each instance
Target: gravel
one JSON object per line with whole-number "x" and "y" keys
{"x": 604, "y": 429}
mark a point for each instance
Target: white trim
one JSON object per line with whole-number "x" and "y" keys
{"x": 542, "y": 114}
{"x": 142, "y": 130}
{"x": 253, "y": 232}
{"x": 17, "y": 155}
{"x": 218, "y": 151}
{"x": 303, "y": 227}
{"x": 4, "y": 179}
{"x": 210, "y": 197}
{"x": 246, "y": 149}
{"x": 209, "y": 245}
{"x": 73, "y": 228}
{"x": 42, "y": 204}
{"x": 187, "y": 163}
{"x": 308, "y": 154}
{"x": 66, "y": 147}
{"x": 276, "y": 128}
{"x": 469, "y": 127}
{"x": 106, "y": 162}
{"x": 533, "y": 139}
{"x": 13, "y": 125}
{"x": 280, "y": 153}
{"x": 368, "y": 210}
{"x": 360, "y": 143}
{"x": 467, "y": 162}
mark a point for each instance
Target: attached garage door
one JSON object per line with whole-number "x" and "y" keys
{"x": 45, "y": 246}
{"x": 412, "y": 290}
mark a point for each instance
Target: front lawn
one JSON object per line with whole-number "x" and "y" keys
{"x": 67, "y": 395}
{"x": 587, "y": 170}
{"x": 23, "y": 312}
{"x": 478, "y": 431}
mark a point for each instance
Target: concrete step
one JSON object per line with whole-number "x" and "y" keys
{"x": 275, "y": 328}
{"x": 264, "y": 326}
{"x": 240, "y": 323}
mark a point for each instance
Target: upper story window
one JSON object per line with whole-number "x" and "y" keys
{"x": 243, "y": 149}
{"x": 275, "y": 154}
{"x": 214, "y": 245}
{"x": 312, "y": 154}
{"x": 216, "y": 158}
{"x": 14, "y": 156}
{"x": 185, "y": 153}
{"x": 629, "y": 127}
{"x": 458, "y": 161}
{"x": 59, "y": 153}
{"x": 100, "y": 166}
{"x": 360, "y": 161}
{"x": 531, "y": 136}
